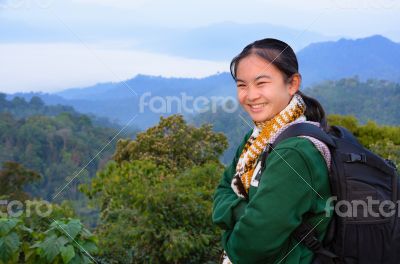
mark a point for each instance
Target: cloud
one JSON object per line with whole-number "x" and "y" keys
{"x": 56, "y": 66}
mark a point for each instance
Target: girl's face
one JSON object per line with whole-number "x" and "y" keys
{"x": 261, "y": 89}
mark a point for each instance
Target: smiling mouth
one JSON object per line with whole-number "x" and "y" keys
{"x": 257, "y": 106}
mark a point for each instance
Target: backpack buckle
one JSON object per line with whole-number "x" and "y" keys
{"x": 355, "y": 157}
{"x": 391, "y": 163}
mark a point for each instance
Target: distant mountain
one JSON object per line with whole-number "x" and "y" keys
{"x": 222, "y": 41}
{"x": 146, "y": 98}
{"x": 215, "y": 42}
{"x": 374, "y": 57}
{"x": 157, "y": 96}
{"x": 217, "y": 84}
{"x": 120, "y": 102}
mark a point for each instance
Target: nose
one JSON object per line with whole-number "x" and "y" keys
{"x": 252, "y": 93}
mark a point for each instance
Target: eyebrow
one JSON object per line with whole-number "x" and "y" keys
{"x": 257, "y": 78}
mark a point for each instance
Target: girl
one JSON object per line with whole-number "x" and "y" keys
{"x": 259, "y": 216}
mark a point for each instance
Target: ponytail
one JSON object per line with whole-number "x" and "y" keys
{"x": 314, "y": 110}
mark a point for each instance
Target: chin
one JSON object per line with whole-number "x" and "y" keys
{"x": 259, "y": 117}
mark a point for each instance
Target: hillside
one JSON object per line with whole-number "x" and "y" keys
{"x": 376, "y": 100}
{"x": 55, "y": 141}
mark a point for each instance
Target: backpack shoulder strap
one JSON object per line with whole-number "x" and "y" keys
{"x": 305, "y": 129}
{"x": 306, "y": 235}
{"x": 299, "y": 129}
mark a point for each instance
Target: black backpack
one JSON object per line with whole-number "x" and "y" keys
{"x": 356, "y": 174}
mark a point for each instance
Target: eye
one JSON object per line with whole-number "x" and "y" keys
{"x": 262, "y": 83}
{"x": 241, "y": 86}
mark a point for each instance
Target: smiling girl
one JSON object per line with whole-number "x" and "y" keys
{"x": 259, "y": 216}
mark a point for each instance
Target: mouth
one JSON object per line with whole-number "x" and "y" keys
{"x": 256, "y": 107}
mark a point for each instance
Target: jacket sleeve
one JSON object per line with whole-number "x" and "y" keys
{"x": 227, "y": 206}
{"x": 276, "y": 209}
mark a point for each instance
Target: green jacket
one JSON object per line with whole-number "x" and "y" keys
{"x": 294, "y": 186}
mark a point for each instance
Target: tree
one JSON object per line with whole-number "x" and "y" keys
{"x": 36, "y": 103}
{"x": 13, "y": 178}
{"x": 156, "y": 197}
{"x": 173, "y": 144}
{"x": 149, "y": 215}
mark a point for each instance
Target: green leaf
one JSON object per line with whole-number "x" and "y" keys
{"x": 67, "y": 253}
{"x": 77, "y": 259}
{"x": 50, "y": 248}
{"x": 73, "y": 228}
{"x": 61, "y": 241}
{"x": 90, "y": 247}
{"x": 6, "y": 225}
{"x": 9, "y": 246}
{"x": 86, "y": 259}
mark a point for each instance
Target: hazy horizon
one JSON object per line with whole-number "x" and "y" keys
{"x": 49, "y": 46}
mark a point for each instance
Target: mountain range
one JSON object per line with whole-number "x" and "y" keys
{"x": 149, "y": 97}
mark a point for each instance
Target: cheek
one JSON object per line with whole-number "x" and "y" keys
{"x": 268, "y": 95}
{"x": 282, "y": 100}
{"x": 276, "y": 94}
{"x": 241, "y": 95}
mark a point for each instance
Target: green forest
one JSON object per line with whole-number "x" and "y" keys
{"x": 373, "y": 99}
{"x": 148, "y": 197}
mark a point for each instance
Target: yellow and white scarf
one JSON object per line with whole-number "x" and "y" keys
{"x": 263, "y": 133}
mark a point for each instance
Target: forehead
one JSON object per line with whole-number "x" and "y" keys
{"x": 252, "y": 66}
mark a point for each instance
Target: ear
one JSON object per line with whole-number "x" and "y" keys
{"x": 294, "y": 83}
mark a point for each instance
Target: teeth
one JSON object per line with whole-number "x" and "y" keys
{"x": 257, "y": 106}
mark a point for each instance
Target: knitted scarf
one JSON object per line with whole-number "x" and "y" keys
{"x": 262, "y": 134}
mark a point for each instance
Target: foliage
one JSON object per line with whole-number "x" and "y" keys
{"x": 9, "y": 241}
{"x": 32, "y": 235}
{"x": 234, "y": 126}
{"x": 65, "y": 241}
{"x": 156, "y": 198}
{"x": 375, "y": 100}
{"x": 173, "y": 144}
{"x": 55, "y": 147}
{"x": 14, "y": 177}
{"x": 152, "y": 216}
{"x": 387, "y": 149}
{"x": 19, "y": 108}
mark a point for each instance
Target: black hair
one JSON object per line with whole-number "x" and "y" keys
{"x": 282, "y": 56}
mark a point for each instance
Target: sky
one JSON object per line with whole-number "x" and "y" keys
{"x": 49, "y": 45}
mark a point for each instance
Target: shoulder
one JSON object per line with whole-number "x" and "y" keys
{"x": 298, "y": 144}
{"x": 303, "y": 149}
